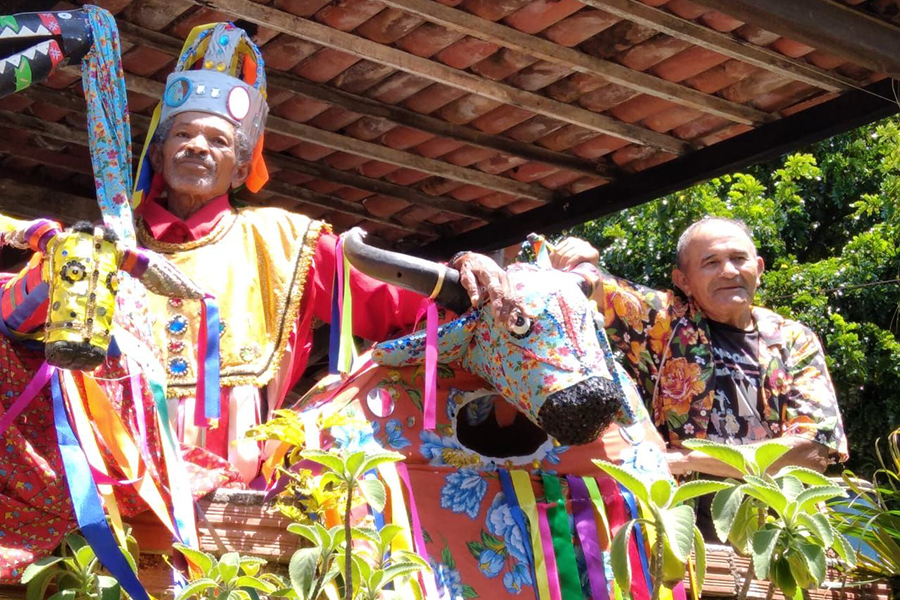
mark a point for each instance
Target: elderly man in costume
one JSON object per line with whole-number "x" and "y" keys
{"x": 271, "y": 270}
{"x": 712, "y": 365}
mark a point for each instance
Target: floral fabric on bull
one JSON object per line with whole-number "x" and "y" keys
{"x": 666, "y": 341}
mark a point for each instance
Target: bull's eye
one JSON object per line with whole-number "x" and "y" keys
{"x": 112, "y": 282}
{"x": 521, "y": 328}
{"x": 72, "y": 271}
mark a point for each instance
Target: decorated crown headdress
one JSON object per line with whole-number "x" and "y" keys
{"x": 221, "y": 72}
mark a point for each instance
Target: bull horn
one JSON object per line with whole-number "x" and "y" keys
{"x": 408, "y": 272}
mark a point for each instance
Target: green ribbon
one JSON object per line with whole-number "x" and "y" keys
{"x": 569, "y": 579}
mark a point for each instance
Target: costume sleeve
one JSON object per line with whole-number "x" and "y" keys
{"x": 811, "y": 409}
{"x": 379, "y": 309}
{"x": 638, "y": 322}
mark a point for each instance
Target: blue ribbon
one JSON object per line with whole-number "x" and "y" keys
{"x": 638, "y": 536}
{"x": 86, "y": 500}
{"x": 516, "y": 511}
{"x": 334, "y": 335}
{"x": 211, "y": 401}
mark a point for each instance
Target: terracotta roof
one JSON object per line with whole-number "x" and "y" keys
{"x": 421, "y": 119}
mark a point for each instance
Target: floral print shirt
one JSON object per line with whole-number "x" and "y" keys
{"x": 666, "y": 343}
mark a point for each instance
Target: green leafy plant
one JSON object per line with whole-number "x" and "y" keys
{"x": 871, "y": 516}
{"x": 76, "y": 572}
{"x": 231, "y": 577}
{"x": 366, "y": 572}
{"x": 670, "y": 520}
{"x": 776, "y": 519}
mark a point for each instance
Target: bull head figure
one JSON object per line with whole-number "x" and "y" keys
{"x": 32, "y": 45}
{"x": 82, "y": 267}
{"x": 552, "y": 365}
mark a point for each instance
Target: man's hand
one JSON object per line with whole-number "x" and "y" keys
{"x": 571, "y": 252}
{"x": 483, "y": 279}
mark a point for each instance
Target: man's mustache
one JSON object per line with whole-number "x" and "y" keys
{"x": 206, "y": 159}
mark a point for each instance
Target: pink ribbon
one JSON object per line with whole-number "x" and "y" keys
{"x": 34, "y": 386}
{"x": 549, "y": 554}
{"x": 429, "y": 405}
{"x": 427, "y": 579}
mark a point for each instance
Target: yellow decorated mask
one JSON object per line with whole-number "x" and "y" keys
{"x": 82, "y": 270}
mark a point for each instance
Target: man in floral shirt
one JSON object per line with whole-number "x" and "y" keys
{"x": 709, "y": 363}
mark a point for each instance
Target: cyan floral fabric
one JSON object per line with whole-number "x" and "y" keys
{"x": 666, "y": 341}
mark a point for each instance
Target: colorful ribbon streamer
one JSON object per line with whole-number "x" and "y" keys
{"x": 208, "y": 390}
{"x": 638, "y": 534}
{"x": 546, "y": 541}
{"x": 516, "y": 511}
{"x": 30, "y": 392}
{"x": 617, "y": 513}
{"x": 86, "y": 500}
{"x": 569, "y": 580}
{"x": 427, "y": 578}
{"x": 429, "y": 403}
{"x": 586, "y": 529}
{"x": 521, "y": 481}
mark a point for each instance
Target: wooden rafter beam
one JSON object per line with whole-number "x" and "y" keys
{"x": 299, "y": 27}
{"x": 30, "y": 201}
{"x": 372, "y": 108}
{"x": 644, "y": 83}
{"x": 281, "y": 161}
{"x": 727, "y": 45}
{"x": 294, "y": 193}
{"x": 826, "y": 25}
{"x": 343, "y": 143}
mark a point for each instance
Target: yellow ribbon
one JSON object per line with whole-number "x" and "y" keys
{"x": 521, "y": 481}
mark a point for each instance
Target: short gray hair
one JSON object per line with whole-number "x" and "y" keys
{"x": 688, "y": 233}
{"x": 243, "y": 149}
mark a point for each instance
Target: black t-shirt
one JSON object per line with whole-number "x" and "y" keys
{"x": 735, "y": 416}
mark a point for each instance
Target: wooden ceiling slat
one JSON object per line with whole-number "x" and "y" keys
{"x": 836, "y": 28}
{"x": 396, "y": 114}
{"x": 297, "y": 194}
{"x": 725, "y": 44}
{"x": 377, "y": 186}
{"x": 335, "y": 141}
{"x": 639, "y": 81}
{"x": 435, "y": 71}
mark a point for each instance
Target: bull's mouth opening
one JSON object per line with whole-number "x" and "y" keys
{"x": 489, "y": 438}
{"x": 32, "y": 46}
{"x": 580, "y": 413}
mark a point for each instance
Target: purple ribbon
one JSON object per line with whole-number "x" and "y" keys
{"x": 34, "y": 386}
{"x": 586, "y": 527}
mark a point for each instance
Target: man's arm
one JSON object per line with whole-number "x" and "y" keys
{"x": 803, "y": 452}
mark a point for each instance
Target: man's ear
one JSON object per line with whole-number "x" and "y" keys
{"x": 760, "y": 267}
{"x": 681, "y": 281}
{"x": 241, "y": 173}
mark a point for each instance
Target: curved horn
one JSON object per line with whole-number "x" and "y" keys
{"x": 408, "y": 272}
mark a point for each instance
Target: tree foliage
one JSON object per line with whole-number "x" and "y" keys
{"x": 827, "y": 224}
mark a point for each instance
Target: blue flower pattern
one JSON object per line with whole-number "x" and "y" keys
{"x": 394, "y": 431}
{"x": 503, "y": 547}
{"x": 448, "y": 580}
{"x": 463, "y": 492}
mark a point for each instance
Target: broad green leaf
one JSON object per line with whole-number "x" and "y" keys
{"x": 250, "y": 565}
{"x": 618, "y": 555}
{"x": 700, "y": 487}
{"x": 764, "y": 542}
{"x": 769, "y": 452}
{"x": 330, "y": 478}
{"x": 245, "y": 581}
{"x": 196, "y": 587}
{"x": 229, "y": 565}
{"x": 699, "y": 558}
{"x": 302, "y": 570}
{"x": 84, "y": 556}
{"x": 388, "y": 533}
{"x": 109, "y": 588}
{"x": 75, "y": 542}
{"x": 790, "y": 486}
{"x": 815, "y": 560}
{"x": 373, "y": 491}
{"x": 783, "y": 577}
{"x": 631, "y": 483}
{"x": 725, "y": 506}
{"x": 37, "y": 586}
{"x": 745, "y": 524}
{"x": 398, "y": 570}
{"x": 727, "y": 454}
{"x": 818, "y": 524}
{"x": 406, "y": 556}
{"x": 661, "y": 491}
{"x": 678, "y": 524}
{"x": 374, "y": 459}
{"x": 38, "y": 567}
{"x": 807, "y": 476}
{"x": 367, "y": 533}
{"x": 201, "y": 560}
{"x": 326, "y": 459}
{"x": 307, "y": 531}
{"x": 69, "y": 594}
{"x": 812, "y": 496}
{"x": 772, "y": 497}
{"x": 353, "y": 463}
{"x": 844, "y": 550}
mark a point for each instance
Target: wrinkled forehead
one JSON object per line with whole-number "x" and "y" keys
{"x": 718, "y": 237}
{"x": 196, "y": 122}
